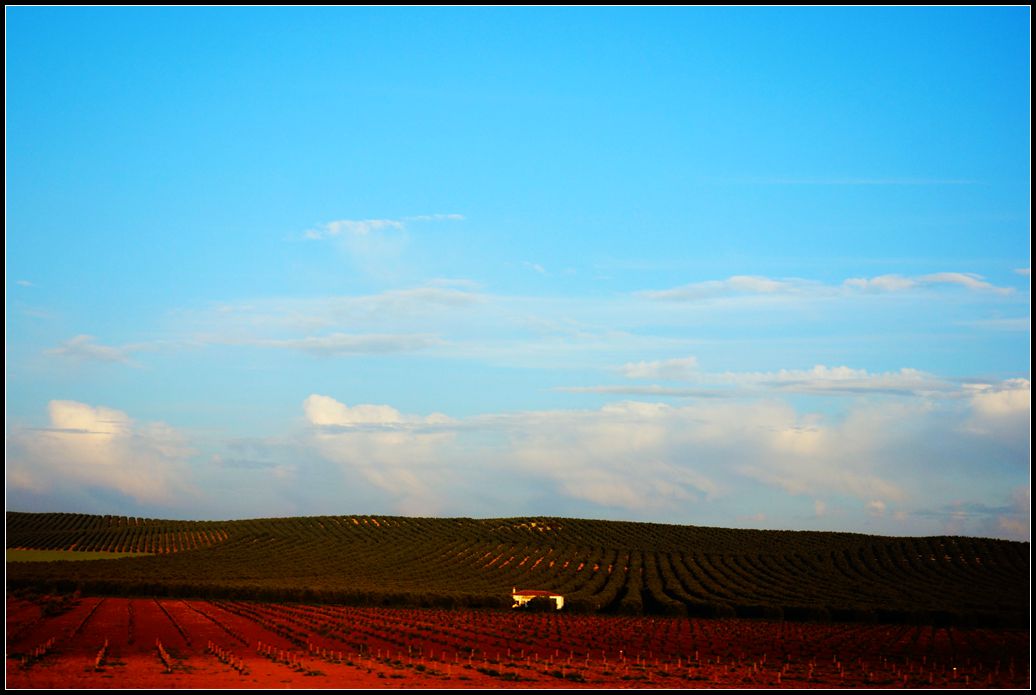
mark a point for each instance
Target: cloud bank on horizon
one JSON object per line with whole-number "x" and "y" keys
{"x": 474, "y": 273}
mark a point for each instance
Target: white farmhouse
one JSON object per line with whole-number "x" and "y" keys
{"x": 523, "y": 596}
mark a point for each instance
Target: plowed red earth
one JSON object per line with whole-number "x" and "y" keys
{"x": 213, "y": 645}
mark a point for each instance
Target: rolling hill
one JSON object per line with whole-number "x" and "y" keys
{"x": 600, "y": 566}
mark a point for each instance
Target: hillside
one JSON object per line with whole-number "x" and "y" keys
{"x": 600, "y": 566}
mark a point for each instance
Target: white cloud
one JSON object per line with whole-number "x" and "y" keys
{"x": 804, "y": 439}
{"x": 84, "y": 348}
{"x": 821, "y": 379}
{"x": 437, "y": 217}
{"x": 324, "y": 411}
{"x": 100, "y": 448}
{"x": 755, "y": 286}
{"x": 1022, "y": 271}
{"x": 803, "y": 453}
{"x": 702, "y": 462}
{"x": 616, "y": 457}
{"x": 363, "y": 228}
{"x": 882, "y": 283}
{"x": 412, "y": 300}
{"x": 899, "y": 283}
{"x": 677, "y": 369}
{"x": 734, "y": 285}
{"x": 392, "y": 451}
{"x": 645, "y": 390}
{"x": 375, "y": 247}
{"x": 1008, "y": 398}
{"x": 1002, "y": 412}
{"x": 337, "y": 228}
{"x": 103, "y": 423}
{"x": 650, "y": 456}
{"x": 972, "y": 281}
{"x": 876, "y": 507}
{"x": 844, "y": 380}
{"x": 640, "y": 457}
{"x": 621, "y": 456}
{"x": 24, "y": 283}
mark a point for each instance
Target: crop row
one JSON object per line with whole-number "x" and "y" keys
{"x": 337, "y": 643}
{"x": 673, "y": 571}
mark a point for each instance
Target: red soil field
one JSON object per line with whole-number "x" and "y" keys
{"x": 172, "y": 643}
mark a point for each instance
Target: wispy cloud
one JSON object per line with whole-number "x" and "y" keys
{"x": 820, "y": 380}
{"x": 420, "y": 310}
{"x": 1019, "y": 323}
{"x": 842, "y": 181}
{"x": 362, "y": 228}
{"x": 899, "y": 283}
{"x": 1022, "y": 271}
{"x": 1010, "y": 520}
{"x": 646, "y": 390}
{"x": 338, "y": 344}
{"x": 415, "y": 299}
{"x": 757, "y": 285}
{"x": 558, "y": 331}
{"x": 734, "y": 285}
{"x": 882, "y": 283}
{"x": 465, "y": 283}
{"x": 85, "y": 349}
{"x": 437, "y": 217}
{"x": 240, "y": 463}
{"x": 375, "y": 247}
{"x": 24, "y": 283}
{"x": 677, "y": 369}
{"x": 335, "y": 228}
{"x": 535, "y": 267}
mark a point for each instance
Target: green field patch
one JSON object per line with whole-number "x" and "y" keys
{"x": 19, "y": 555}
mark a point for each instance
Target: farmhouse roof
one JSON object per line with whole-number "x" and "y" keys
{"x": 534, "y": 592}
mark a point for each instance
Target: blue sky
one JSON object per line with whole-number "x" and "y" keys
{"x": 734, "y": 266}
